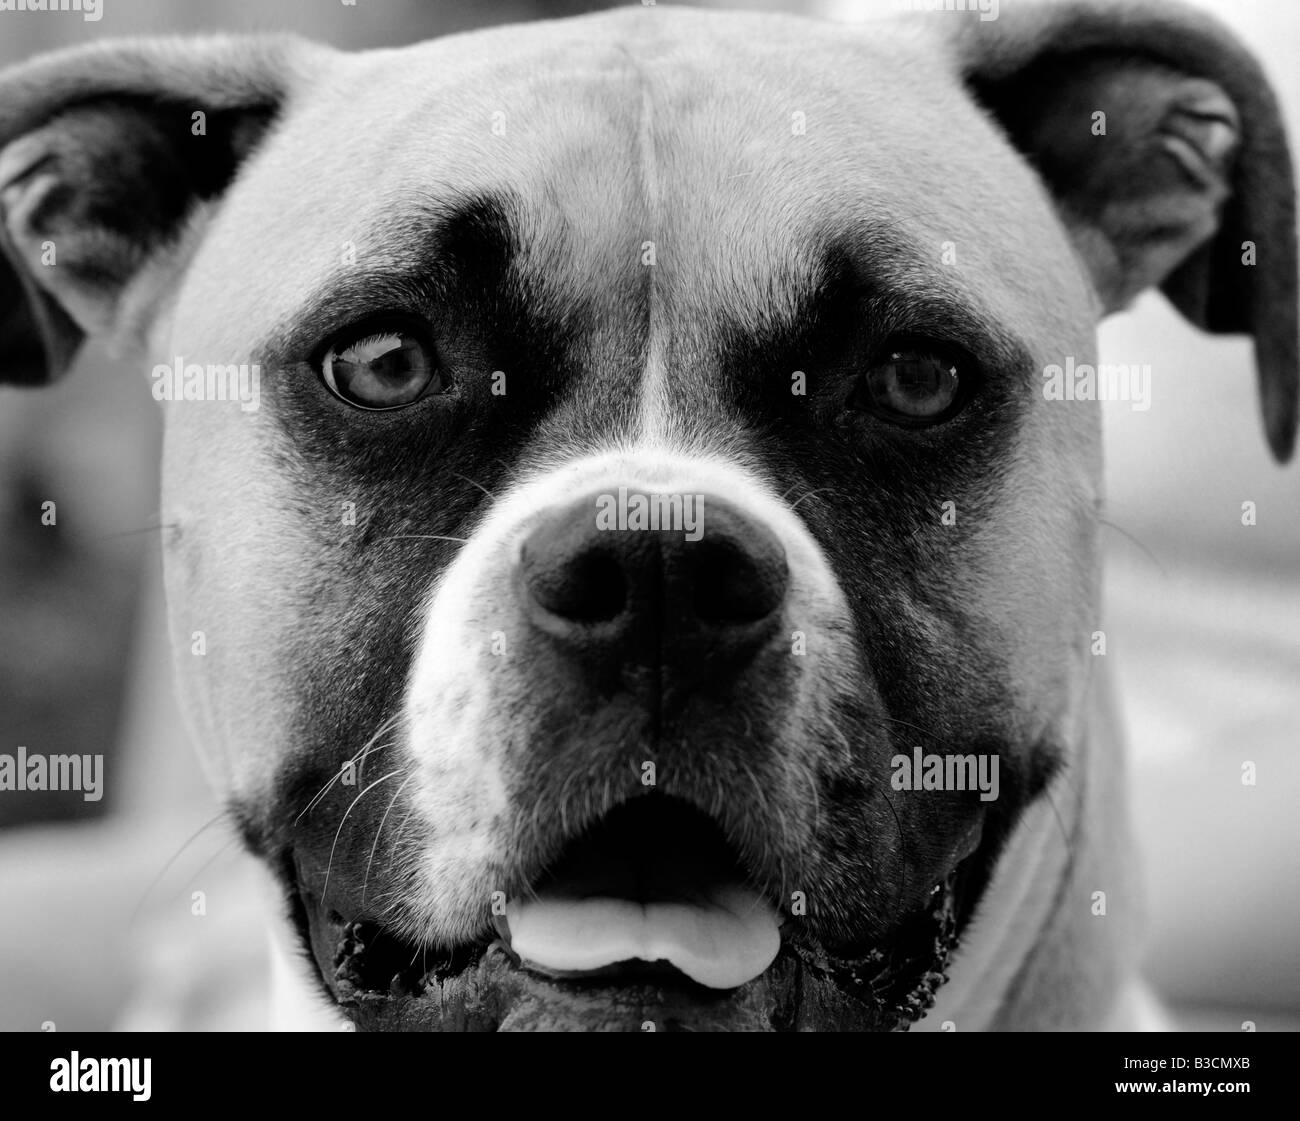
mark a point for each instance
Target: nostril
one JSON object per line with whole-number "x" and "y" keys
{"x": 625, "y": 594}
{"x": 735, "y": 584}
{"x": 588, "y": 588}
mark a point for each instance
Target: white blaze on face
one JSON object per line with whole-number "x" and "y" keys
{"x": 468, "y": 704}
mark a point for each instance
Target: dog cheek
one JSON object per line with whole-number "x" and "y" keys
{"x": 1045, "y": 608}
{"x": 233, "y": 567}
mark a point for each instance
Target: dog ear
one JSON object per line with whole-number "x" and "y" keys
{"x": 105, "y": 151}
{"x": 1161, "y": 141}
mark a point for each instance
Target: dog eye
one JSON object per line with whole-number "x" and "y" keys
{"x": 911, "y": 385}
{"x": 385, "y": 370}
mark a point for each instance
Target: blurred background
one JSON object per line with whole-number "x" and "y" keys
{"x": 1202, "y": 622}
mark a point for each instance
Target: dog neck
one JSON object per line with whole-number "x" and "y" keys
{"x": 1062, "y": 861}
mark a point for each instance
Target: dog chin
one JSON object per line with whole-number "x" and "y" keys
{"x": 383, "y": 984}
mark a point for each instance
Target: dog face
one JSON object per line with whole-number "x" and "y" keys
{"x": 497, "y": 731}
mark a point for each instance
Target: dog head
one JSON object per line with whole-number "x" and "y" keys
{"x": 628, "y": 471}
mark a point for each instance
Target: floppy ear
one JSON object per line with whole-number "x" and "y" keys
{"x": 1161, "y": 141}
{"x": 105, "y": 152}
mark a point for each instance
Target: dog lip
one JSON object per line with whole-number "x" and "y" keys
{"x": 381, "y": 981}
{"x": 485, "y": 987}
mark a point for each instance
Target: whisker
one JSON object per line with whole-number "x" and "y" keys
{"x": 472, "y": 483}
{"x": 342, "y": 821}
{"x": 392, "y": 802}
{"x": 360, "y": 757}
{"x": 765, "y": 811}
{"x": 387, "y": 726}
{"x": 898, "y": 824}
{"x": 1069, "y": 841}
{"x": 1147, "y": 552}
{"x": 819, "y": 490}
{"x": 811, "y": 779}
{"x": 224, "y": 850}
{"x": 913, "y": 727}
{"x": 221, "y": 816}
{"x": 902, "y": 837}
{"x": 393, "y": 894}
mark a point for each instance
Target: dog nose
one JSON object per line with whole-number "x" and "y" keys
{"x": 696, "y": 596}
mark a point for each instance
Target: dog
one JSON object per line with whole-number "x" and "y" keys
{"x": 632, "y": 563}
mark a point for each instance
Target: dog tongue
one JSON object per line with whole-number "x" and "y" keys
{"x": 720, "y": 938}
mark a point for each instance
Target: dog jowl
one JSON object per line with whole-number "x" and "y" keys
{"x": 651, "y": 450}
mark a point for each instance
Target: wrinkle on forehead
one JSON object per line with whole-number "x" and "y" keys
{"x": 673, "y": 127}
